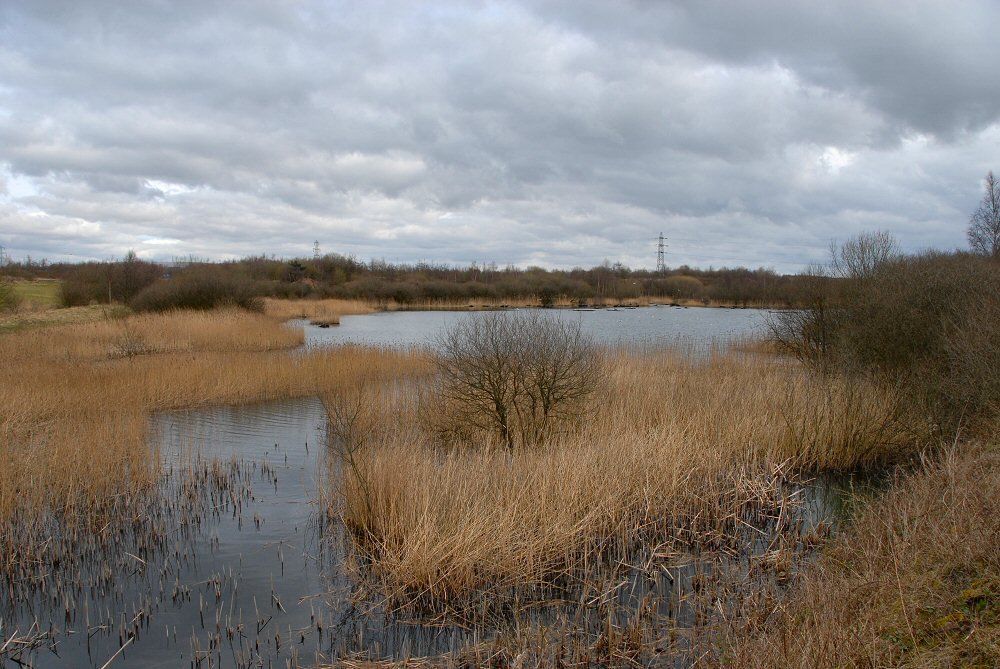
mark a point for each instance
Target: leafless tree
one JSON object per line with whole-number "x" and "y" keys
{"x": 806, "y": 332}
{"x": 810, "y": 332}
{"x": 984, "y": 224}
{"x": 860, "y": 256}
{"x": 514, "y": 375}
{"x": 559, "y": 370}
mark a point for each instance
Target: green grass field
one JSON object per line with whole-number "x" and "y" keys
{"x": 38, "y": 293}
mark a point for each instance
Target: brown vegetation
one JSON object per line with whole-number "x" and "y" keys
{"x": 657, "y": 455}
{"x": 313, "y": 310}
{"x": 409, "y": 286}
{"x": 74, "y": 400}
{"x": 519, "y": 378}
{"x": 915, "y": 582}
{"x": 925, "y": 324}
{"x": 671, "y": 462}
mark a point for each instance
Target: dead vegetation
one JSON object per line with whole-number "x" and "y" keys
{"x": 75, "y": 399}
{"x": 914, "y": 582}
{"x": 673, "y": 467}
{"x": 681, "y": 463}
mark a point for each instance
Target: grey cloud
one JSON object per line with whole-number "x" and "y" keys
{"x": 559, "y": 133}
{"x": 920, "y": 63}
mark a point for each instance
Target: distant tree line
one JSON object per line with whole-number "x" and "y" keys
{"x": 142, "y": 283}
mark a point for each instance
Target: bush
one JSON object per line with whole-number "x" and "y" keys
{"x": 807, "y": 332}
{"x": 516, "y": 376}
{"x": 9, "y": 299}
{"x": 107, "y": 281}
{"x": 929, "y": 324}
{"x": 198, "y": 288}
{"x": 681, "y": 287}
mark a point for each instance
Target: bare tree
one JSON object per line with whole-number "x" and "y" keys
{"x": 806, "y": 332}
{"x": 984, "y": 224}
{"x": 559, "y": 370}
{"x": 811, "y": 332}
{"x": 860, "y": 256}
{"x": 514, "y": 375}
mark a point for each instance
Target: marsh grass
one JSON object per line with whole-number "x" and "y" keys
{"x": 675, "y": 457}
{"x": 673, "y": 451}
{"x": 914, "y": 582}
{"x": 314, "y": 310}
{"x": 75, "y": 400}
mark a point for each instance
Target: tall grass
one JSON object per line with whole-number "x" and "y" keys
{"x": 74, "y": 400}
{"x": 914, "y": 582}
{"x": 314, "y": 309}
{"x": 673, "y": 451}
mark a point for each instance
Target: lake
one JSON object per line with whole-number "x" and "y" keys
{"x": 643, "y": 326}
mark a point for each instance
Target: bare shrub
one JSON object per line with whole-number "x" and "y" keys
{"x": 682, "y": 287}
{"x": 807, "y": 332}
{"x": 129, "y": 343}
{"x": 972, "y": 357}
{"x": 199, "y": 288}
{"x": 517, "y": 377}
{"x": 860, "y": 257}
{"x": 925, "y": 324}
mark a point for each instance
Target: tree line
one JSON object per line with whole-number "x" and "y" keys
{"x": 132, "y": 280}
{"x": 200, "y": 284}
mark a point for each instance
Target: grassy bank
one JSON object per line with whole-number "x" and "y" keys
{"x": 38, "y": 294}
{"x": 915, "y": 582}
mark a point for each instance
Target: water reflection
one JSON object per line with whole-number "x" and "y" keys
{"x": 643, "y": 327}
{"x": 234, "y": 565}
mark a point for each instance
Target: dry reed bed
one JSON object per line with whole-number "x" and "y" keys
{"x": 74, "y": 407}
{"x": 914, "y": 582}
{"x": 673, "y": 451}
{"x": 326, "y": 309}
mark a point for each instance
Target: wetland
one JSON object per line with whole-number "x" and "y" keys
{"x": 220, "y": 489}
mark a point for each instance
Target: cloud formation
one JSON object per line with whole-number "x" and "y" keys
{"x": 549, "y": 133}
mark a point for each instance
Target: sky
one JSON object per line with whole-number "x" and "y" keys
{"x": 556, "y": 134}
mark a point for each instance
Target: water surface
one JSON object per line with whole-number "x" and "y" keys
{"x": 234, "y": 563}
{"x": 643, "y": 326}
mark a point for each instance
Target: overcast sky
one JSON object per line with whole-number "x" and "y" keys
{"x": 543, "y": 133}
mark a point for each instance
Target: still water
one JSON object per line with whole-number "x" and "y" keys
{"x": 644, "y": 326}
{"x": 236, "y": 564}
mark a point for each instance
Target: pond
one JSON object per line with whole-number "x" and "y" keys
{"x": 643, "y": 326}
{"x": 232, "y": 561}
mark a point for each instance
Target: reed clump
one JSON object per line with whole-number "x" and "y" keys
{"x": 672, "y": 450}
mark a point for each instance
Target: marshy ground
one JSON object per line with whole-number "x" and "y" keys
{"x": 691, "y": 513}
